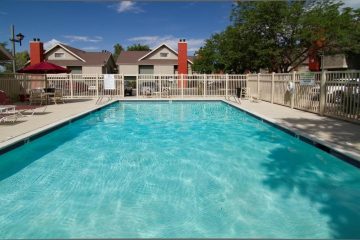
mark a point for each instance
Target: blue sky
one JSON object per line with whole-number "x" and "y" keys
{"x": 94, "y": 26}
{"x": 97, "y": 25}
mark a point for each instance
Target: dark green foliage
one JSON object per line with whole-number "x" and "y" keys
{"x": 277, "y": 36}
{"x": 138, "y": 47}
{"x": 117, "y": 50}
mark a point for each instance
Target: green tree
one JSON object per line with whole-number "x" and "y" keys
{"x": 21, "y": 59}
{"x": 117, "y": 50}
{"x": 138, "y": 47}
{"x": 278, "y": 35}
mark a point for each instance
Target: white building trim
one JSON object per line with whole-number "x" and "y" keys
{"x": 157, "y": 48}
{"x": 63, "y": 47}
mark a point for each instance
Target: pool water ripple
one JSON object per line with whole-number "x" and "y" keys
{"x": 185, "y": 169}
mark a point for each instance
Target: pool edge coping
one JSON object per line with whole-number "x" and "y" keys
{"x": 22, "y": 139}
{"x": 335, "y": 150}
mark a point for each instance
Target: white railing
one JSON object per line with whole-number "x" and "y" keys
{"x": 334, "y": 94}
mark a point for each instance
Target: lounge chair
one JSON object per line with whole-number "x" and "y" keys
{"x": 8, "y": 113}
{"x": 19, "y": 109}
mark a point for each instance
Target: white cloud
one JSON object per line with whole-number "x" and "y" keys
{"x": 90, "y": 48}
{"x": 352, "y": 3}
{"x": 76, "y": 38}
{"x": 127, "y": 6}
{"x": 154, "y": 41}
{"x": 50, "y": 44}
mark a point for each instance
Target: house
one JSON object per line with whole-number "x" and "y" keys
{"x": 161, "y": 60}
{"x": 4, "y": 55}
{"x": 341, "y": 62}
{"x": 78, "y": 61}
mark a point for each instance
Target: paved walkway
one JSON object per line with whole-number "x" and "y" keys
{"x": 342, "y": 135}
{"x": 52, "y": 114}
{"x": 335, "y": 133}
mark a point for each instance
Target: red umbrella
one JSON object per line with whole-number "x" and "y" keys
{"x": 44, "y": 67}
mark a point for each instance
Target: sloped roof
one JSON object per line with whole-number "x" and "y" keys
{"x": 138, "y": 58}
{"x": 85, "y": 58}
{"x": 4, "y": 54}
{"x": 130, "y": 57}
{"x": 157, "y": 48}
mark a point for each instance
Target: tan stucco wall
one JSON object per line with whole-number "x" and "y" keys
{"x": 164, "y": 69}
{"x": 156, "y": 54}
{"x": 91, "y": 70}
{"x": 67, "y": 56}
{"x": 128, "y": 69}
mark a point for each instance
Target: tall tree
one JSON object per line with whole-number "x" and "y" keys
{"x": 278, "y": 35}
{"x": 138, "y": 47}
{"x": 117, "y": 50}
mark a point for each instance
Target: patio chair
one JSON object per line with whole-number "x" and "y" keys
{"x": 245, "y": 94}
{"x": 165, "y": 92}
{"x": 37, "y": 96}
{"x": 58, "y": 96}
{"x": 146, "y": 91}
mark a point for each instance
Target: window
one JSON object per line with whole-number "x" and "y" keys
{"x": 163, "y": 54}
{"x": 59, "y": 55}
{"x": 75, "y": 69}
{"x": 146, "y": 69}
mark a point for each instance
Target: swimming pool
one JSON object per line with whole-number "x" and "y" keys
{"x": 179, "y": 169}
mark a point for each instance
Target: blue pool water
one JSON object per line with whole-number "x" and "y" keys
{"x": 180, "y": 169}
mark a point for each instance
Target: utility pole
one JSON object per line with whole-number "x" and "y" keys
{"x": 13, "y": 47}
{"x": 19, "y": 38}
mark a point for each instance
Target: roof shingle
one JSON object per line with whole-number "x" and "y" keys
{"x": 91, "y": 58}
{"x": 132, "y": 58}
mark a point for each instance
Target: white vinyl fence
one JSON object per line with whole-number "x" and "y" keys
{"x": 334, "y": 94}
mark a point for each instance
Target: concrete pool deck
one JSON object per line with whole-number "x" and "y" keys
{"x": 337, "y": 134}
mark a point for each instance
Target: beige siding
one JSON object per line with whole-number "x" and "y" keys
{"x": 128, "y": 69}
{"x": 163, "y": 69}
{"x": 335, "y": 61}
{"x": 156, "y": 54}
{"x": 189, "y": 68}
{"x": 91, "y": 70}
{"x": 67, "y": 56}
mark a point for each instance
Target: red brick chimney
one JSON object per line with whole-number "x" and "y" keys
{"x": 182, "y": 57}
{"x": 36, "y": 51}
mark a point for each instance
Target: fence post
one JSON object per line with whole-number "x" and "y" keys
{"x": 226, "y": 85}
{"x": 204, "y": 84}
{"x": 122, "y": 85}
{"x": 258, "y": 85}
{"x": 292, "y": 100}
{"x": 322, "y": 92}
{"x": 71, "y": 86}
{"x": 97, "y": 85}
{"x": 137, "y": 85}
{"x": 272, "y": 86}
{"x": 160, "y": 90}
{"x": 182, "y": 85}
